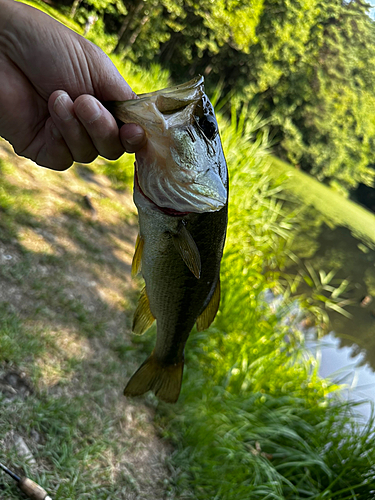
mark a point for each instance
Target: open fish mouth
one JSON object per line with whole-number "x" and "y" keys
{"x": 182, "y": 167}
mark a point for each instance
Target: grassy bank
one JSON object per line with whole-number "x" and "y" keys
{"x": 66, "y": 351}
{"x": 331, "y": 204}
{"x": 254, "y": 419}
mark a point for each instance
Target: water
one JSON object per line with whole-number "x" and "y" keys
{"x": 347, "y": 353}
{"x": 337, "y": 363}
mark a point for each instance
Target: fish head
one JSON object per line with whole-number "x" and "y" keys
{"x": 182, "y": 166}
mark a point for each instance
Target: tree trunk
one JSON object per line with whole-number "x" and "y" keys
{"x": 124, "y": 33}
{"x": 138, "y": 30}
{"x": 74, "y": 8}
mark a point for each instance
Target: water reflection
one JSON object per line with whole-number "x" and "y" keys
{"x": 337, "y": 363}
{"x": 349, "y": 350}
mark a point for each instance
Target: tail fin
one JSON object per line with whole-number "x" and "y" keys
{"x": 164, "y": 381}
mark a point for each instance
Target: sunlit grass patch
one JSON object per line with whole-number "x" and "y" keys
{"x": 15, "y": 208}
{"x": 67, "y": 352}
{"x": 336, "y": 209}
{"x": 35, "y": 242}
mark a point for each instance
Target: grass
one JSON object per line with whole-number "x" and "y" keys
{"x": 254, "y": 419}
{"x": 331, "y": 204}
{"x": 66, "y": 303}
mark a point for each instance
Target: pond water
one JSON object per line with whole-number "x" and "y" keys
{"x": 347, "y": 353}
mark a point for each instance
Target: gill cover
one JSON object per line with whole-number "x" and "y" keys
{"x": 182, "y": 167}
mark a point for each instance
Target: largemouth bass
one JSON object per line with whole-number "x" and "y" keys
{"x": 181, "y": 193}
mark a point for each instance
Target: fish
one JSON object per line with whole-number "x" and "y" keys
{"x": 181, "y": 194}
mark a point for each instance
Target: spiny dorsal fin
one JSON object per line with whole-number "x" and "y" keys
{"x": 137, "y": 257}
{"x": 143, "y": 317}
{"x": 208, "y": 315}
{"x": 164, "y": 381}
{"x": 186, "y": 247}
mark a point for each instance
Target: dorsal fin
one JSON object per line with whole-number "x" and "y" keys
{"x": 143, "y": 317}
{"x": 137, "y": 257}
{"x": 208, "y": 315}
{"x": 187, "y": 248}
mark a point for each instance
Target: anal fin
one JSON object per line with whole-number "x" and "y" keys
{"x": 187, "y": 248}
{"x": 164, "y": 381}
{"x": 137, "y": 257}
{"x": 143, "y": 317}
{"x": 208, "y": 315}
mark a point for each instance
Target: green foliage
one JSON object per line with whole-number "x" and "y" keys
{"x": 309, "y": 73}
{"x": 140, "y": 79}
{"x": 198, "y": 26}
{"x": 256, "y": 446}
{"x": 332, "y": 132}
{"x": 254, "y": 419}
{"x": 307, "y": 65}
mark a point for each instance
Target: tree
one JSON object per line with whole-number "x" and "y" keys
{"x": 307, "y": 65}
{"x": 148, "y": 25}
{"x": 323, "y": 104}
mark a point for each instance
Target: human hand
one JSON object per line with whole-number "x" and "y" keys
{"x": 51, "y": 83}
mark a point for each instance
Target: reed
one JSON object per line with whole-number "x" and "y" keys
{"x": 254, "y": 419}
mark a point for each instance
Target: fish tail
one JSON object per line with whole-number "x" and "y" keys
{"x": 164, "y": 381}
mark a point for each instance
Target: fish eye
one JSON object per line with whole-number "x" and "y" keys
{"x": 208, "y": 125}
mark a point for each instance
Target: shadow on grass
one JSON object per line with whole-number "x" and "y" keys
{"x": 66, "y": 301}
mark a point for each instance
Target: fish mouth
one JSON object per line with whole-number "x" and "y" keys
{"x": 181, "y": 169}
{"x": 172, "y": 99}
{"x": 167, "y": 211}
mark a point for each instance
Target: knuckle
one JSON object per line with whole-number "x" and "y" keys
{"x": 85, "y": 157}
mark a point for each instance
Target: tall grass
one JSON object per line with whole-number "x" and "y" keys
{"x": 254, "y": 419}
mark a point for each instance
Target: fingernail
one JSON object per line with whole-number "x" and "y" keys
{"x": 133, "y": 134}
{"x": 135, "y": 139}
{"x": 88, "y": 110}
{"x": 61, "y": 107}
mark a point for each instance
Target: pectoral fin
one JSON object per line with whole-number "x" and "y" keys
{"x": 187, "y": 248}
{"x": 164, "y": 381}
{"x": 143, "y": 317}
{"x": 137, "y": 257}
{"x": 208, "y": 315}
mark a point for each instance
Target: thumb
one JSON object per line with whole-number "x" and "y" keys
{"x": 107, "y": 82}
